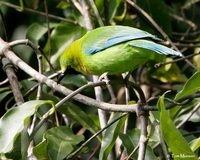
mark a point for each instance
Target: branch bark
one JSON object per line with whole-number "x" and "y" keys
{"x": 36, "y": 12}
{"x": 143, "y": 117}
{"x": 8, "y": 68}
{"x": 98, "y": 90}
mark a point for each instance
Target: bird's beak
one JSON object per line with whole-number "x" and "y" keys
{"x": 69, "y": 70}
{"x": 60, "y": 77}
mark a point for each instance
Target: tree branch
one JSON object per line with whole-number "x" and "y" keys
{"x": 187, "y": 117}
{"x": 36, "y": 12}
{"x": 4, "y": 82}
{"x": 8, "y": 68}
{"x": 156, "y": 26}
{"x": 95, "y": 135}
{"x": 98, "y": 90}
{"x": 60, "y": 103}
{"x": 143, "y": 117}
{"x": 4, "y": 51}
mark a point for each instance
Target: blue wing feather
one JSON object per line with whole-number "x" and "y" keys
{"x": 154, "y": 47}
{"x": 105, "y": 37}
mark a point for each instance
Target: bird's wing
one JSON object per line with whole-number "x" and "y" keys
{"x": 105, "y": 37}
{"x": 154, "y": 47}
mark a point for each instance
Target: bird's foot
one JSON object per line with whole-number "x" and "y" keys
{"x": 126, "y": 76}
{"x": 104, "y": 78}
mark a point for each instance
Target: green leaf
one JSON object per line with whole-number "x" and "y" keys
{"x": 35, "y": 32}
{"x": 77, "y": 114}
{"x": 63, "y": 5}
{"x": 61, "y": 141}
{"x": 4, "y": 92}
{"x": 176, "y": 142}
{"x": 61, "y": 37}
{"x": 76, "y": 80}
{"x": 168, "y": 73}
{"x": 110, "y": 136}
{"x": 195, "y": 144}
{"x": 186, "y": 111}
{"x": 16, "y": 151}
{"x": 191, "y": 86}
{"x": 196, "y": 59}
{"x": 159, "y": 14}
{"x": 40, "y": 151}
{"x": 27, "y": 84}
{"x": 113, "y": 8}
{"x": 14, "y": 120}
{"x": 130, "y": 140}
{"x": 189, "y": 3}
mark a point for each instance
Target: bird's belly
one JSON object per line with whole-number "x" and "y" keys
{"x": 117, "y": 59}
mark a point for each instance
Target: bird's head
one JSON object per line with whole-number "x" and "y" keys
{"x": 69, "y": 59}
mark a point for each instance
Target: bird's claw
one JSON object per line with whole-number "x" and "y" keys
{"x": 104, "y": 78}
{"x": 106, "y": 81}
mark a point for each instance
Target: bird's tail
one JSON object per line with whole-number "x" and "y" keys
{"x": 158, "y": 48}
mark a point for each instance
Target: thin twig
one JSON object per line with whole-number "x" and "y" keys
{"x": 4, "y": 82}
{"x": 156, "y": 26}
{"x": 179, "y": 18}
{"x": 188, "y": 4}
{"x": 132, "y": 153}
{"x": 39, "y": 54}
{"x": 162, "y": 142}
{"x": 95, "y": 150}
{"x": 188, "y": 45}
{"x": 187, "y": 117}
{"x": 39, "y": 91}
{"x": 111, "y": 92}
{"x": 60, "y": 103}
{"x": 95, "y": 135}
{"x": 151, "y": 20}
{"x": 88, "y": 22}
{"x": 175, "y": 60}
{"x": 96, "y": 13}
{"x": 78, "y": 6}
{"x": 127, "y": 99}
{"x": 180, "y": 102}
{"x": 186, "y": 41}
{"x": 191, "y": 133}
{"x": 37, "y": 12}
{"x": 139, "y": 91}
{"x": 191, "y": 96}
{"x": 48, "y": 26}
{"x": 90, "y": 84}
{"x": 143, "y": 137}
{"x": 186, "y": 33}
{"x": 36, "y": 48}
{"x": 98, "y": 90}
{"x": 36, "y": 85}
{"x": 196, "y": 33}
{"x": 13, "y": 80}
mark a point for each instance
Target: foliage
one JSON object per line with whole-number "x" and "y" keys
{"x": 67, "y": 127}
{"x": 178, "y": 145}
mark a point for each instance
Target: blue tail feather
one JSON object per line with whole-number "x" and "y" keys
{"x": 154, "y": 47}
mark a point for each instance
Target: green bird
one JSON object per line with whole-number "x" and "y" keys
{"x": 113, "y": 49}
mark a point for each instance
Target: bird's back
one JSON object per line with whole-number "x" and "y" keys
{"x": 108, "y": 36}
